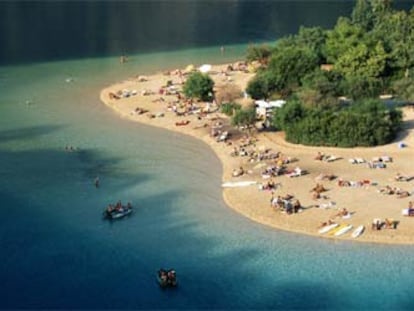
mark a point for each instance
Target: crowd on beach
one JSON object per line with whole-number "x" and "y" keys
{"x": 266, "y": 164}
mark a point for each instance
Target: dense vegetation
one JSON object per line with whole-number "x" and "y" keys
{"x": 365, "y": 123}
{"x": 364, "y": 55}
{"x": 199, "y": 85}
{"x": 230, "y": 108}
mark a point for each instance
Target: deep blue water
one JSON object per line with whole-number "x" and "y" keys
{"x": 58, "y": 253}
{"x": 49, "y": 30}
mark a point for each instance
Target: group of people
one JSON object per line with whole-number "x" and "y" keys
{"x": 350, "y": 183}
{"x": 378, "y": 224}
{"x": 118, "y": 207}
{"x": 286, "y": 203}
{"x": 394, "y": 191}
{"x": 167, "y": 278}
{"x": 317, "y": 190}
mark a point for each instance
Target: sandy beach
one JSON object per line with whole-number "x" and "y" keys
{"x": 362, "y": 190}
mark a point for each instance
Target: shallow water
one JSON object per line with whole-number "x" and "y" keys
{"x": 57, "y": 252}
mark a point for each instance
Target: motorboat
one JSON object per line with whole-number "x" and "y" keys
{"x": 117, "y": 212}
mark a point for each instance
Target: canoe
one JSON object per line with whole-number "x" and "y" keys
{"x": 327, "y": 228}
{"x": 358, "y": 231}
{"x": 343, "y": 230}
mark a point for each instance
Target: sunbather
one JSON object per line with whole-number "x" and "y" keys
{"x": 390, "y": 223}
{"x": 319, "y": 156}
{"x": 400, "y": 177}
{"x": 402, "y": 194}
{"x": 343, "y": 213}
{"x": 318, "y": 188}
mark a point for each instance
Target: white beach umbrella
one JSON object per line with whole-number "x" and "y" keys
{"x": 205, "y": 68}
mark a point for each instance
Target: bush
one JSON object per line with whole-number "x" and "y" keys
{"x": 244, "y": 117}
{"x": 365, "y": 123}
{"x": 258, "y": 87}
{"x": 258, "y": 53}
{"x": 199, "y": 85}
{"x": 230, "y": 108}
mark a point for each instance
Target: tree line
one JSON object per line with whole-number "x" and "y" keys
{"x": 365, "y": 55}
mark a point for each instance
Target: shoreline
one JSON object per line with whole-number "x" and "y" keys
{"x": 364, "y": 202}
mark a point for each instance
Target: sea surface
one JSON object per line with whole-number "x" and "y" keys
{"x": 58, "y": 253}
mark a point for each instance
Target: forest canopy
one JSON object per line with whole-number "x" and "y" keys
{"x": 363, "y": 56}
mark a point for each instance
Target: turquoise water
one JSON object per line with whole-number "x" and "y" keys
{"x": 58, "y": 253}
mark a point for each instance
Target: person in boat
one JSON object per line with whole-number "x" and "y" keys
{"x": 109, "y": 210}
{"x": 118, "y": 206}
{"x": 163, "y": 275}
{"x": 167, "y": 278}
{"x": 172, "y": 277}
{"x": 129, "y": 206}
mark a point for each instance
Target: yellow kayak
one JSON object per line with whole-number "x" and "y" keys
{"x": 335, "y": 230}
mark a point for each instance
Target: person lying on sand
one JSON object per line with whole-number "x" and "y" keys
{"x": 318, "y": 188}
{"x": 343, "y": 213}
{"x": 323, "y": 176}
{"x": 400, "y": 177}
{"x": 387, "y": 190}
{"x": 319, "y": 156}
{"x": 402, "y": 194}
{"x": 238, "y": 172}
{"x": 326, "y": 223}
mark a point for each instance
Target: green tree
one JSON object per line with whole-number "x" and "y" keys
{"x": 324, "y": 82}
{"x": 404, "y": 89}
{"x": 363, "y": 15}
{"x": 361, "y": 87}
{"x": 199, "y": 85}
{"x": 312, "y": 38}
{"x": 397, "y": 33}
{"x": 287, "y": 66}
{"x": 244, "y": 117}
{"x": 381, "y": 10}
{"x": 361, "y": 61}
{"x": 229, "y": 108}
{"x": 259, "y": 53}
{"x": 343, "y": 37}
{"x": 258, "y": 86}
{"x": 287, "y": 115}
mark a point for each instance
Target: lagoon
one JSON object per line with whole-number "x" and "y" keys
{"x": 58, "y": 253}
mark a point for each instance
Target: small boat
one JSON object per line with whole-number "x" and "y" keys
{"x": 167, "y": 278}
{"x": 117, "y": 213}
{"x": 358, "y": 231}
{"x": 343, "y": 230}
{"x": 327, "y": 228}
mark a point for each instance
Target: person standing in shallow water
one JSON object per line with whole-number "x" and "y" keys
{"x": 123, "y": 59}
{"x": 222, "y": 50}
{"x": 96, "y": 182}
